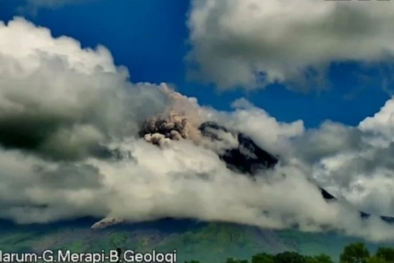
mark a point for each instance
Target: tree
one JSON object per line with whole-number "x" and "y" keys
{"x": 232, "y": 260}
{"x": 263, "y": 258}
{"x": 386, "y": 253}
{"x": 311, "y": 260}
{"x": 323, "y": 258}
{"x": 319, "y": 259}
{"x": 355, "y": 253}
{"x": 289, "y": 257}
{"x": 376, "y": 259}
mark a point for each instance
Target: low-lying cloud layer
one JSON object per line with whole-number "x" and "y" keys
{"x": 64, "y": 111}
{"x": 253, "y": 43}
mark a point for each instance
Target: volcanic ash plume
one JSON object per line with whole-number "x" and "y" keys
{"x": 179, "y": 121}
{"x": 184, "y": 119}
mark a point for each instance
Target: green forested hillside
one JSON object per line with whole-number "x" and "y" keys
{"x": 207, "y": 242}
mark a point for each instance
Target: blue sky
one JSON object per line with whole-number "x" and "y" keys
{"x": 150, "y": 39}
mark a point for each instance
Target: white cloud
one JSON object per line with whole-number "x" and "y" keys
{"x": 59, "y": 100}
{"x": 274, "y": 137}
{"x": 353, "y": 163}
{"x": 236, "y": 42}
{"x": 382, "y": 122}
{"x": 78, "y": 99}
{"x": 356, "y": 162}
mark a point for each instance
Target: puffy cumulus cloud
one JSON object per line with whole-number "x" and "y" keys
{"x": 270, "y": 134}
{"x": 60, "y": 101}
{"x": 253, "y": 43}
{"x": 64, "y": 108}
{"x": 355, "y": 163}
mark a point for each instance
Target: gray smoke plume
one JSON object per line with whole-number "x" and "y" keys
{"x": 179, "y": 121}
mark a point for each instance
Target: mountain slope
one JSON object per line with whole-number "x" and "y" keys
{"x": 249, "y": 158}
{"x": 208, "y": 242}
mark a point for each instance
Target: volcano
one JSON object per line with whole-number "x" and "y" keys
{"x": 249, "y": 158}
